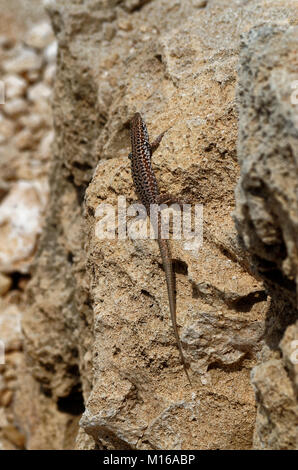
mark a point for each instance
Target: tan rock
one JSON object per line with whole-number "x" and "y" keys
{"x": 15, "y": 86}
{"x": 25, "y": 60}
{"x": 20, "y": 225}
{"x": 10, "y": 327}
{"x": 6, "y": 397}
{"x": 51, "y": 52}
{"x": 49, "y": 74}
{"x": 24, "y": 140}
{"x": 39, "y": 36}
{"x": 5, "y": 284}
{"x": 14, "y": 435}
{"x": 39, "y": 92}
{"x": 32, "y": 121}
{"x": 46, "y": 146}
{"x": 15, "y": 107}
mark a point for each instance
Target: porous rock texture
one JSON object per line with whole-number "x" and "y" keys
{"x": 97, "y": 333}
{"x": 267, "y": 217}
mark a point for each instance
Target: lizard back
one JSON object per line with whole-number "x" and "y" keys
{"x": 142, "y": 172}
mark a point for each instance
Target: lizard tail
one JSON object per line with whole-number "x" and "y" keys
{"x": 167, "y": 264}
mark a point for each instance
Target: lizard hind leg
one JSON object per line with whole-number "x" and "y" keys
{"x": 171, "y": 199}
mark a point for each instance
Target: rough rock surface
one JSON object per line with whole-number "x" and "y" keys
{"x": 98, "y": 340}
{"x": 267, "y": 217}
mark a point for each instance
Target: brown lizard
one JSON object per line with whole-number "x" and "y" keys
{"x": 147, "y": 190}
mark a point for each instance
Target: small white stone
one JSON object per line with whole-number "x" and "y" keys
{"x": 45, "y": 148}
{"x": 14, "y": 86}
{"x": 10, "y": 327}
{"x": 38, "y": 92}
{"x": 32, "y": 121}
{"x": 23, "y": 140}
{"x": 39, "y": 36}
{"x": 51, "y": 52}
{"x": 15, "y": 106}
{"x": 5, "y": 284}
{"x": 25, "y": 61}
{"x": 50, "y": 73}
{"x": 20, "y": 224}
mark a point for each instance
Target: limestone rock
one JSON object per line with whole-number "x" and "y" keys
{"x": 39, "y": 92}
{"x": 5, "y": 284}
{"x": 15, "y": 107}
{"x": 10, "y": 327}
{"x": 267, "y": 218}
{"x": 14, "y": 86}
{"x": 24, "y": 61}
{"x": 20, "y": 225}
{"x": 39, "y": 36}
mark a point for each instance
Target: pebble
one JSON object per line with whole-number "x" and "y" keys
{"x": 5, "y": 283}
{"x": 40, "y": 91}
{"x": 5, "y": 42}
{"x": 50, "y": 73}
{"x": 6, "y": 397}
{"x": 23, "y": 140}
{"x": 25, "y": 61}
{"x": 51, "y": 52}
{"x": 20, "y": 224}
{"x": 10, "y": 327}
{"x": 32, "y": 121}
{"x": 39, "y": 36}
{"x": 15, "y": 86}
{"x": 15, "y": 106}
{"x": 14, "y": 436}
{"x": 45, "y": 148}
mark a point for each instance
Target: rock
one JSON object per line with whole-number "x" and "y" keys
{"x": 20, "y": 225}
{"x": 24, "y": 140}
{"x": 5, "y": 284}
{"x": 39, "y": 36}
{"x": 46, "y": 146}
{"x": 26, "y": 60}
{"x": 15, "y": 86}
{"x": 51, "y": 52}
{"x": 15, "y": 106}
{"x": 33, "y": 76}
{"x": 3, "y": 418}
{"x": 267, "y": 218}
{"x": 6, "y": 397}
{"x": 49, "y": 74}
{"x": 6, "y": 42}
{"x": 14, "y": 435}
{"x": 276, "y": 426}
{"x": 10, "y": 327}
{"x": 39, "y": 92}
{"x": 7, "y": 128}
{"x": 32, "y": 121}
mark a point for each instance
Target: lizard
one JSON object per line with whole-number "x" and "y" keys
{"x": 147, "y": 189}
